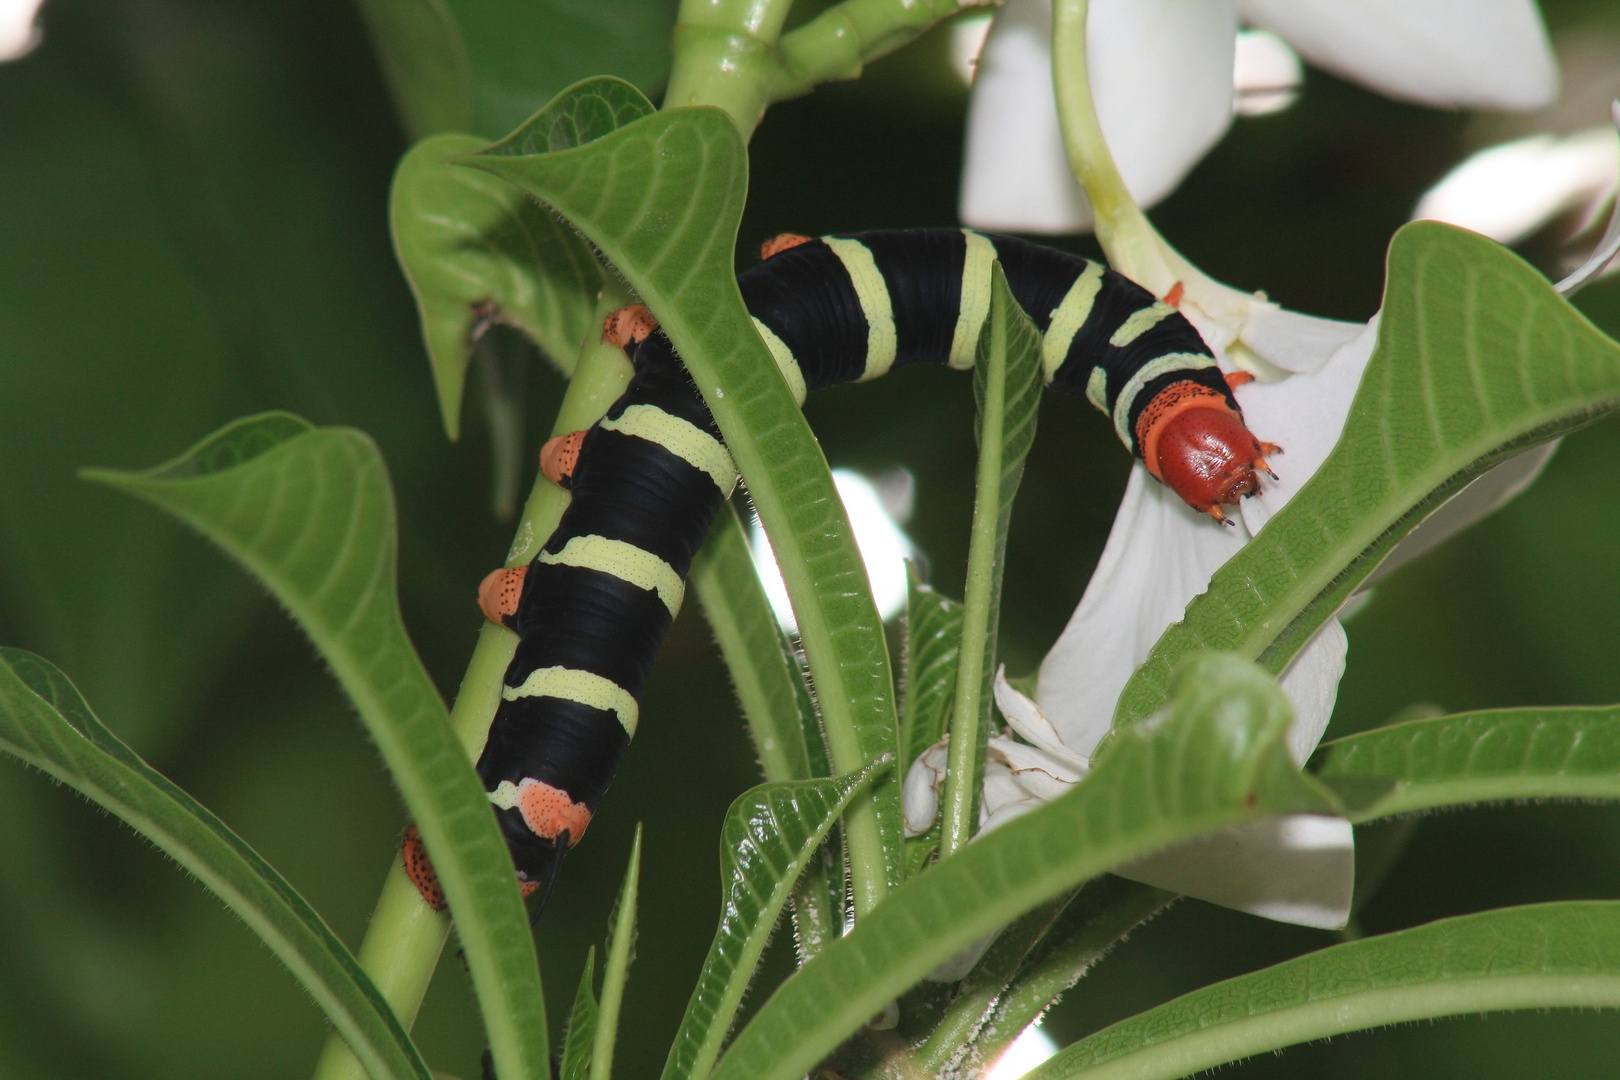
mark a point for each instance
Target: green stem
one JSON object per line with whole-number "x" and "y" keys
{"x": 744, "y": 626}
{"x": 837, "y": 43}
{"x": 616, "y": 969}
{"x": 1121, "y": 908}
{"x": 978, "y": 595}
{"x": 732, "y": 54}
{"x": 951, "y": 1041}
{"x": 725, "y": 56}
{"x": 405, "y": 936}
{"x": 1133, "y": 247}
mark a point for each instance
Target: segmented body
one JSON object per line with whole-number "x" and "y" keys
{"x": 592, "y": 607}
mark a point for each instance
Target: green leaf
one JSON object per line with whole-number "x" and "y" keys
{"x": 1542, "y": 956}
{"x": 310, "y": 514}
{"x": 1216, "y": 759}
{"x": 583, "y": 113}
{"x": 1477, "y": 757}
{"x": 933, "y": 640}
{"x": 425, "y": 63}
{"x": 766, "y": 679}
{"x": 47, "y": 724}
{"x": 769, "y": 835}
{"x": 581, "y": 1034}
{"x": 1007, "y": 385}
{"x": 476, "y": 252}
{"x": 621, "y": 949}
{"x": 661, "y": 198}
{"x": 1477, "y": 358}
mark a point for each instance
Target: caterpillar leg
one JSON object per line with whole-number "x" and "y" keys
{"x": 781, "y": 242}
{"x": 419, "y": 868}
{"x": 559, "y": 456}
{"x": 499, "y": 593}
{"x": 630, "y": 325}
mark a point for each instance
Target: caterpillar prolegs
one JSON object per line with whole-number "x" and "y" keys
{"x": 592, "y": 607}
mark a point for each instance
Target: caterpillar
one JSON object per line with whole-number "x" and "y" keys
{"x": 591, "y": 608}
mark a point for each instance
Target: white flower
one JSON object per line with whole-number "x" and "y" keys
{"x": 1160, "y": 555}
{"x": 18, "y": 34}
{"x": 1162, "y": 72}
{"x": 1508, "y": 191}
{"x": 1158, "y": 93}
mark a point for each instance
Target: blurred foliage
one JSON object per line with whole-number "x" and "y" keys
{"x": 193, "y": 227}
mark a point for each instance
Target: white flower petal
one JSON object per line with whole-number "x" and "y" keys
{"x": 1159, "y": 556}
{"x": 1461, "y": 53}
{"x": 1509, "y": 191}
{"x": 1297, "y": 869}
{"x": 1266, "y": 74}
{"x": 1026, "y": 718}
{"x": 1015, "y": 173}
{"x": 1311, "y": 684}
{"x": 1034, "y": 770}
{"x": 1304, "y": 415}
{"x": 1007, "y": 811}
{"x": 1002, "y": 792}
{"x": 1161, "y": 72}
{"x": 18, "y": 34}
{"x": 919, "y": 797}
{"x": 1292, "y": 342}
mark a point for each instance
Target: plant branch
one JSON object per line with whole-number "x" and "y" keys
{"x": 405, "y": 937}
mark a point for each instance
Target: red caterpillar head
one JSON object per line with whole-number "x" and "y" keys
{"x": 1193, "y": 441}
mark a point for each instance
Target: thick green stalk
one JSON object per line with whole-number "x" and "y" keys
{"x": 405, "y": 936}
{"x": 732, "y": 54}
{"x": 963, "y": 775}
{"x": 837, "y": 43}
{"x": 725, "y": 56}
{"x": 1130, "y": 241}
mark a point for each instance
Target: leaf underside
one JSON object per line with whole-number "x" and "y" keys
{"x": 309, "y": 512}
{"x": 47, "y": 724}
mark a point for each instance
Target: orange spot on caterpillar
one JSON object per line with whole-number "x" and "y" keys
{"x": 498, "y": 593}
{"x": 550, "y": 813}
{"x": 419, "y": 868}
{"x": 1193, "y": 441}
{"x": 559, "y": 456}
{"x": 1235, "y": 379}
{"x": 630, "y": 325}
{"x": 781, "y": 242}
{"x": 1173, "y": 297}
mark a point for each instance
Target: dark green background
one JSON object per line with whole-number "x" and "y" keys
{"x": 192, "y": 227}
